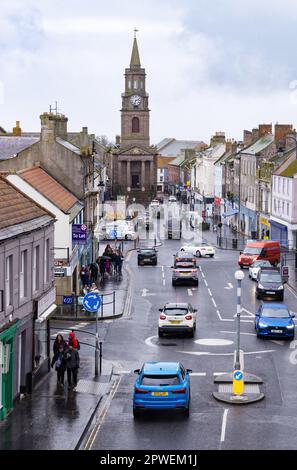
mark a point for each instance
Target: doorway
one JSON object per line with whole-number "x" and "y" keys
{"x": 135, "y": 181}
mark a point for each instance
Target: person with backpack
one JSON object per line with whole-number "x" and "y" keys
{"x": 73, "y": 341}
{"x": 72, "y": 361}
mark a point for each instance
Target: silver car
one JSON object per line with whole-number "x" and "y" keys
{"x": 185, "y": 272}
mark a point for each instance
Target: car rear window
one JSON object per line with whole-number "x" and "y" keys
{"x": 184, "y": 264}
{"x": 163, "y": 380}
{"x": 147, "y": 252}
{"x": 176, "y": 311}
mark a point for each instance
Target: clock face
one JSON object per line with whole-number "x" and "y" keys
{"x": 135, "y": 100}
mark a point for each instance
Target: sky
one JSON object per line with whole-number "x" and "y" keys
{"x": 220, "y": 65}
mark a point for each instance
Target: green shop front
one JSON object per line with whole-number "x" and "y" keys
{"x": 7, "y": 336}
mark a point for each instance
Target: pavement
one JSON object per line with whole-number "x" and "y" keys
{"x": 53, "y": 417}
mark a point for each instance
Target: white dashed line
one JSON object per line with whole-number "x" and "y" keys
{"x": 197, "y": 374}
{"x": 205, "y": 281}
{"x": 190, "y": 292}
{"x": 164, "y": 282}
{"x": 224, "y": 425}
{"x": 213, "y": 301}
{"x": 209, "y": 291}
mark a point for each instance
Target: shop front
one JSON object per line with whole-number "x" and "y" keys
{"x": 279, "y": 232}
{"x": 7, "y": 350}
{"x": 43, "y": 310}
{"x": 264, "y": 227}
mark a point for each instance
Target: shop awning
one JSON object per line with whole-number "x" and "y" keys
{"x": 45, "y": 315}
{"x": 230, "y": 213}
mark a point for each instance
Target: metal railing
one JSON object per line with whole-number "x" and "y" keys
{"x": 71, "y": 306}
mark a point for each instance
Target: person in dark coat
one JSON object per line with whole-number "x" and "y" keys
{"x": 118, "y": 262}
{"x": 102, "y": 267}
{"x": 85, "y": 276}
{"x": 71, "y": 357}
{"x": 94, "y": 272}
{"x": 59, "y": 343}
{"x": 59, "y": 361}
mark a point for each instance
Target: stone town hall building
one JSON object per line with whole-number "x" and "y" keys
{"x": 134, "y": 162}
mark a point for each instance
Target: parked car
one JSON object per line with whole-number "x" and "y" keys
{"x": 270, "y": 284}
{"x": 172, "y": 199}
{"x": 177, "y": 318}
{"x": 275, "y": 320}
{"x": 147, "y": 256}
{"x": 162, "y": 386}
{"x": 256, "y": 266}
{"x": 259, "y": 250}
{"x": 202, "y": 249}
{"x": 184, "y": 272}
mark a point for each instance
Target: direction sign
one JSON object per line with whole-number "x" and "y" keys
{"x": 238, "y": 385}
{"x": 92, "y": 302}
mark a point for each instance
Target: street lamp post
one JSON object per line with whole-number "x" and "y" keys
{"x": 239, "y": 276}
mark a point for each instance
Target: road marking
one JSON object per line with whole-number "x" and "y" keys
{"x": 205, "y": 281}
{"x": 200, "y": 353}
{"x": 291, "y": 290}
{"x": 190, "y": 292}
{"x": 162, "y": 267}
{"x": 224, "y": 424}
{"x": 230, "y": 286}
{"x": 148, "y": 341}
{"x": 197, "y": 374}
{"x": 219, "y": 373}
{"x": 213, "y": 342}
{"x": 213, "y": 301}
{"x": 209, "y": 291}
{"x": 164, "y": 282}
{"x": 97, "y": 427}
{"x": 241, "y": 333}
{"x": 249, "y": 314}
{"x": 145, "y": 293}
{"x": 202, "y": 274}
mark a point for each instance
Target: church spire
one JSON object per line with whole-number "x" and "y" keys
{"x": 135, "y": 60}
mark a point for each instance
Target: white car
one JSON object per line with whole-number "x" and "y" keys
{"x": 177, "y": 318}
{"x": 155, "y": 203}
{"x": 199, "y": 250}
{"x": 172, "y": 199}
{"x": 256, "y": 266}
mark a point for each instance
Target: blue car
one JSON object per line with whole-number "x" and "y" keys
{"x": 274, "y": 320}
{"x": 162, "y": 386}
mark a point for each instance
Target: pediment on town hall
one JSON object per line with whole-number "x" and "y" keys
{"x": 137, "y": 150}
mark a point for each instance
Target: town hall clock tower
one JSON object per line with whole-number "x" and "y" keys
{"x": 134, "y": 162}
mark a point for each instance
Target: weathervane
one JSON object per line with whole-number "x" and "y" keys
{"x": 135, "y": 31}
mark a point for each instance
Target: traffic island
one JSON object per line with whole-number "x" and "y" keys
{"x": 238, "y": 388}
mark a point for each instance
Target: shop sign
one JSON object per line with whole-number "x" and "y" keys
{"x": 79, "y": 234}
{"x": 60, "y": 272}
{"x": 264, "y": 221}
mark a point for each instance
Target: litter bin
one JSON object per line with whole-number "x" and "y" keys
{"x": 234, "y": 243}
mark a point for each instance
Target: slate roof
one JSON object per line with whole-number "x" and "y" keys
{"x": 17, "y": 208}
{"x": 49, "y": 188}
{"x": 12, "y": 145}
{"x": 68, "y": 145}
{"x": 259, "y": 145}
{"x": 173, "y": 147}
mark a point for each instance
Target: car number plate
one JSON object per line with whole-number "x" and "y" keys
{"x": 159, "y": 394}
{"x": 184, "y": 274}
{"x": 276, "y": 331}
{"x": 270, "y": 292}
{"x": 175, "y": 322}
{"x": 146, "y": 259}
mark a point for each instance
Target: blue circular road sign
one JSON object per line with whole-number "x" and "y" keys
{"x": 92, "y": 302}
{"x": 238, "y": 375}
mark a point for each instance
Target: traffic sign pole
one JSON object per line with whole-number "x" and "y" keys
{"x": 97, "y": 347}
{"x": 92, "y": 302}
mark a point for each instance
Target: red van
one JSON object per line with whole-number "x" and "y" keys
{"x": 260, "y": 250}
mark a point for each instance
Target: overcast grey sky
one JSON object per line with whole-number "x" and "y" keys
{"x": 219, "y": 65}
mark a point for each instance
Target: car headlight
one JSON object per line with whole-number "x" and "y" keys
{"x": 260, "y": 286}
{"x": 290, "y": 327}
{"x": 280, "y": 288}
{"x": 262, "y": 324}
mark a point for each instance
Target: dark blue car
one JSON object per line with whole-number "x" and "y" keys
{"x": 162, "y": 386}
{"x": 274, "y": 320}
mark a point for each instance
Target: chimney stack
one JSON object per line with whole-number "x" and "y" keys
{"x": 264, "y": 129}
{"x": 118, "y": 139}
{"x": 52, "y": 126}
{"x": 17, "y": 131}
{"x": 280, "y": 135}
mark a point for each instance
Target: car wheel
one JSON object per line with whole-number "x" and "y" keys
{"x": 250, "y": 276}
{"x": 196, "y": 283}
{"x": 192, "y": 333}
{"x": 136, "y": 414}
{"x": 198, "y": 254}
{"x": 160, "y": 334}
{"x": 257, "y": 297}
{"x": 173, "y": 283}
{"x": 187, "y": 411}
{"x": 211, "y": 256}
{"x": 281, "y": 297}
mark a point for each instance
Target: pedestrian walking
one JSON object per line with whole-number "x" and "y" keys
{"x": 60, "y": 365}
{"x": 102, "y": 267}
{"x": 72, "y": 360}
{"x": 118, "y": 262}
{"x": 73, "y": 341}
{"x": 94, "y": 272}
{"x": 59, "y": 343}
{"x": 85, "y": 275}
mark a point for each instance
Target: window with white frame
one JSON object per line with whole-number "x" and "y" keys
{"x": 35, "y": 274}
{"x": 288, "y": 208}
{"x": 9, "y": 281}
{"x": 24, "y": 274}
{"x": 46, "y": 260}
{"x": 129, "y": 83}
{"x": 135, "y": 84}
